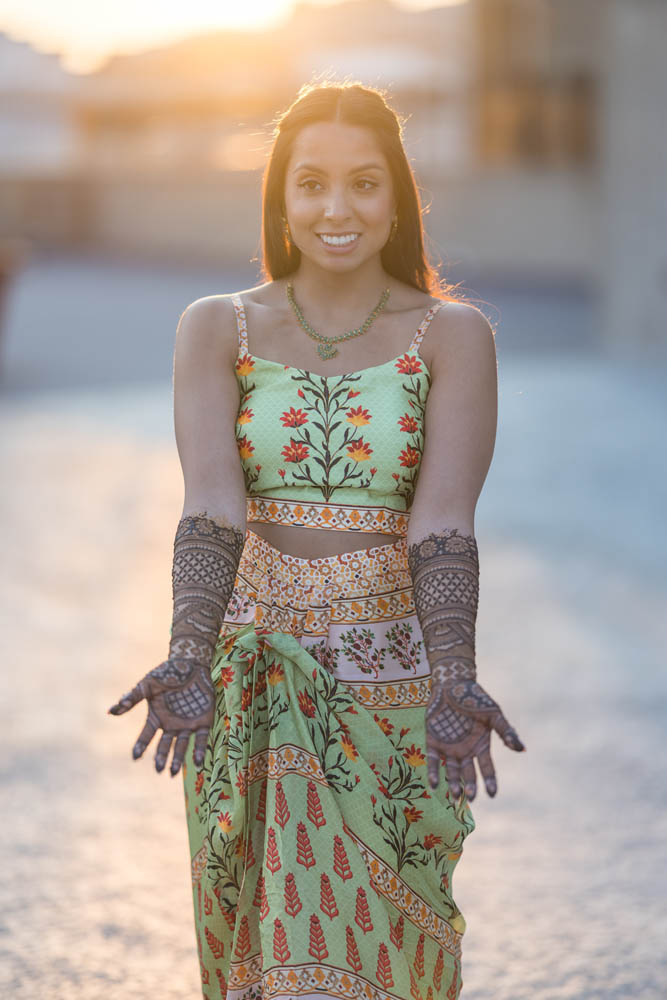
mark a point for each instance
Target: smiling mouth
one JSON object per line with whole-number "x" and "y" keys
{"x": 338, "y": 241}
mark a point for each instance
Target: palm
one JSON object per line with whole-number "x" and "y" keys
{"x": 459, "y": 718}
{"x": 181, "y": 701}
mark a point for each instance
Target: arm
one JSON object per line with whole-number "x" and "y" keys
{"x": 443, "y": 558}
{"x": 209, "y": 537}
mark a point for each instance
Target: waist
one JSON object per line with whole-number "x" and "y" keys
{"x": 346, "y": 572}
{"x": 381, "y": 519}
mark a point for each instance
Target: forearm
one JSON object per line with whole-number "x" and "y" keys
{"x": 207, "y": 552}
{"x": 444, "y": 566}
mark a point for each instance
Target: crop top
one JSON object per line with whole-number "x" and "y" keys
{"x": 339, "y": 452}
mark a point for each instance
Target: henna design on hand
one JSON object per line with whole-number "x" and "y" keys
{"x": 460, "y": 714}
{"x": 179, "y": 692}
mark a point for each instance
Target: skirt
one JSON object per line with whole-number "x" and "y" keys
{"x": 321, "y": 859}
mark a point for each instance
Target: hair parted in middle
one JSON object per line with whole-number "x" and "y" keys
{"x": 350, "y": 103}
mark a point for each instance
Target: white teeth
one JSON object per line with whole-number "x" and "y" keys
{"x": 338, "y": 241}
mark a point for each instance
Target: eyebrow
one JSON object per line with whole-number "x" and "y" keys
{"x": 357, "y": 170}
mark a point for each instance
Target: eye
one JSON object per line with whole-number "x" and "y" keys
{"x": 306, "y": 184}
{"x": 369, "y": 184}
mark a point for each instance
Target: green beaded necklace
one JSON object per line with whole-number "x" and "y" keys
{"x": 325, "y": 347}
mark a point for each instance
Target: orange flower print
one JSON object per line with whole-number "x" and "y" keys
{"x": 408, "y": 365}
{"x": 430, "y": 840}
{"x": 245, "y": 446}
{"x": 358, "y": 416}
{"x": 225, "y": 822}
{"x": 408, "y": 423}
{"x": 275, "y": 674}
{"x": 245, "y": 365}
{"x": 349, "y": 748}
{"x": 245, "y": 416}
{"x": 294, "y": 451}
{"x": 359, "y": 450}
{"x": 306, "y": 704}
{"x": 293, "y": 418}
{"x": 385, "y": 725}
{"x": 414, "y": 756}
{"x": 412, "y": 814}
{"x": 409, "y": 457}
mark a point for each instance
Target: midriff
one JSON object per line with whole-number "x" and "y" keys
{"x": 313, "y": 543}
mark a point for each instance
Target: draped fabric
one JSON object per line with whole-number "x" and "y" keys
{"x": 321, "y": 859}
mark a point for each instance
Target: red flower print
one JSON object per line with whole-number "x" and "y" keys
{"x": 281, "y": 472}
{"x": 301, "y": 393}
{"x": 245, "y": 365}
{"x": 359, "y": 450}
{"x": 408, "y": 424}
{"x": 294, "y": 451}
{"x": 258, "y": 468}
{"x": 306, "y": 704}
{"x": 373, "y": 471}
{"x": 385, "y": 725}
{"x": 409, "y": 457}
{"x": 396, "y": 476}
{"x": 227, "y": 675}
{"x": 358, "y": 416}
{"x": 408, "y": 365}
{"x": 245, "y": 447}
{"x": 412, "y": 814}
{"x": 351, "y": 393}
{"x": 293, "y": 418}
{"x": 430, "y": 840}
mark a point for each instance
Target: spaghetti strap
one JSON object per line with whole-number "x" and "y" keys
{"x": 241, "y": 324}
{"x": 424, "y": 325}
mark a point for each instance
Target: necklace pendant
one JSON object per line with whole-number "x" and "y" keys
{"x": 327, "y": 351}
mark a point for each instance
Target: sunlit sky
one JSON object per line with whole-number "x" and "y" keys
{"x": 87, "y": 33}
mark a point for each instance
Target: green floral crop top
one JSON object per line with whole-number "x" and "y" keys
{"x": 340, "y": 452}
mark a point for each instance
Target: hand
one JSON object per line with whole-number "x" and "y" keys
{"x": 181, "y": 701}
{"x": 459, "y": 718}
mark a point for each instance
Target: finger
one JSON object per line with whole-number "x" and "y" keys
{"x": 179, "y": 752}
{"x": 470, "y": 778}
{"x": 433, "y": 766}
{"x": 162, "y": 751}
{"x": 488, "y": 770}
{"x": 145, "y": 736}
{"x": 506, "y": 732}
{"x": 453, "y": 769}
{"x": 128, "y": 700}
{"x": 201, "y": 741}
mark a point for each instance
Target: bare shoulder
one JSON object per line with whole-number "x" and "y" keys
{"x": 207, "y": 330}
{"x": 461, "y": 338}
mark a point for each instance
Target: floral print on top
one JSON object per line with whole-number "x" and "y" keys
{"x": 332, "y": 451}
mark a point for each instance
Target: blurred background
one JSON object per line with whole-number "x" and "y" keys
{"x": 132, "y": 144}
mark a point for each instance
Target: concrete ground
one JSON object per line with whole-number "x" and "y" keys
{"x": 564, "y": 880}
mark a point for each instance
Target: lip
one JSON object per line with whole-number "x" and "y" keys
{"x": 343, "y": 248}
{"x": 349, "y": 232}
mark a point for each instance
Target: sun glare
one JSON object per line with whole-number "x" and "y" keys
{"x": 86, "y": 41}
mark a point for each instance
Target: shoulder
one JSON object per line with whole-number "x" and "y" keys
{"x": 460, "y": 336}
{"x": 208, "y": 330}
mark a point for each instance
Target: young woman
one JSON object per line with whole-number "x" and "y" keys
{"x": 323, "y": 657}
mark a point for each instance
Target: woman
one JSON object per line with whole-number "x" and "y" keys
{"x": 324, "y": 657}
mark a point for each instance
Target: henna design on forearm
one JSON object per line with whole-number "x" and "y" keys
{"x": 445, "y": 575}
{"x": 460, "y": 714}
{"x": 179, "y": 692}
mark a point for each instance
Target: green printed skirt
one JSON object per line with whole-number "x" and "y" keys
{"x": 321, "y": 858}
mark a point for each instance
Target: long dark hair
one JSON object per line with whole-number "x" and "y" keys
{"x": 404, "y": 256}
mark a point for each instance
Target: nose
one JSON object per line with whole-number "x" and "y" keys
{"x": 336, "y": 206}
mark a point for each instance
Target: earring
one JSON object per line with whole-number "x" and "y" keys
{"x": 286, "y": 231}
{"x": 394, "y": 228}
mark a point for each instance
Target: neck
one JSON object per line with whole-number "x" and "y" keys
{"x": 339, "y": 293}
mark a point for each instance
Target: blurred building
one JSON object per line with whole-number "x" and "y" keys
{"x": 535, "y": 128}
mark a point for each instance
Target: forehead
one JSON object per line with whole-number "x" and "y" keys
{"x": 335, "y": 146}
